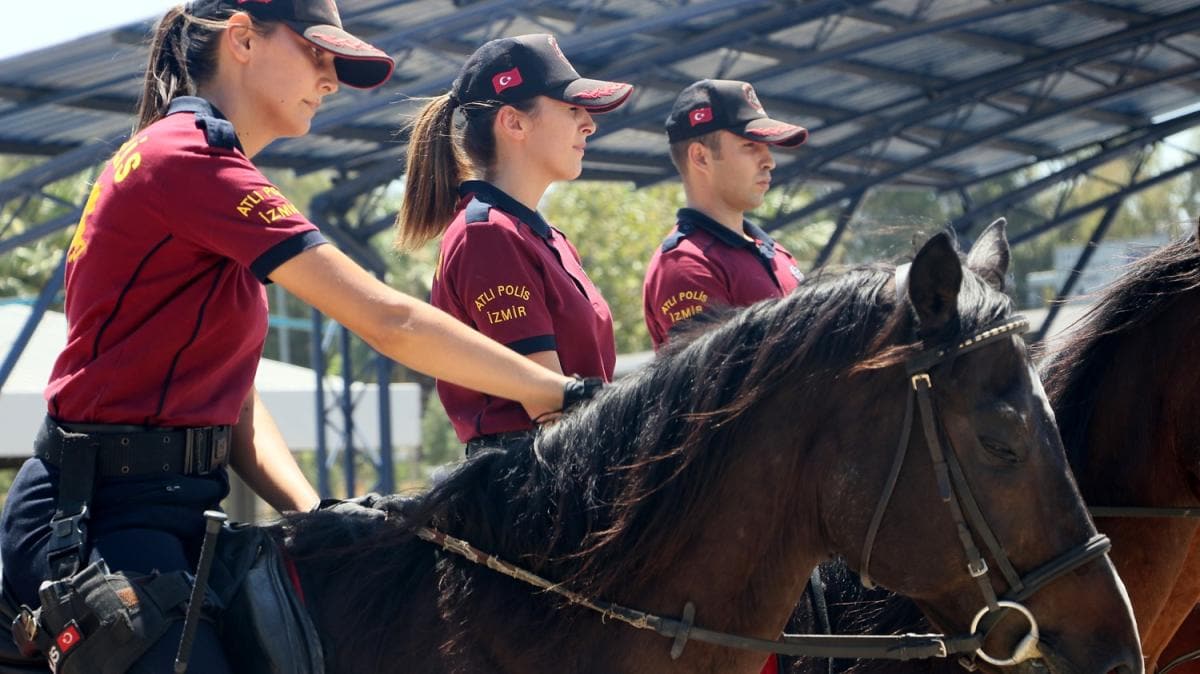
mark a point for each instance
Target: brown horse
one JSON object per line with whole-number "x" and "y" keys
{"x": 719, "y": 475}
{"x": 1125, "y": 390}
{"x": 1125, "y": 393}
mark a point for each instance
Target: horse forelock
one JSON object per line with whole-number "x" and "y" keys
{"x": 1072, "y": 374}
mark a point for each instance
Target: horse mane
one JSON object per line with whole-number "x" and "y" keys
{"x": 612, "y": 492}
{"x": 1144, "y": 291}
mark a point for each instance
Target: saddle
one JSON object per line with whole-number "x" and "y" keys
{"x": 263, "y": 624}
{"x": 266, "y": 628}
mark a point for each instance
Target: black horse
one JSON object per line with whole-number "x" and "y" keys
{"x": 694, "y": 479}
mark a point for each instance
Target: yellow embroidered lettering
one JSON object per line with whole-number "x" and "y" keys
{"x": 677, "y": 316}
{"x": 520, "y": 292}
{"x": 484, "y": 297}
{"x": 79, "y": 241}
{"x": 124, "y": 162}
{"x": 506, "y": 314}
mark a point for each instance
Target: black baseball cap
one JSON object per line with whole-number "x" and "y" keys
{"x": 715, "y": 105}
{"x": 358, "y": 64}
{"x": 512, "y": 69}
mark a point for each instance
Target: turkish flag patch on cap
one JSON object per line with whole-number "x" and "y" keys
{"x": 68, "y": 638}
{"x": 700, "y": 116}
{"x": 506, "y": 80}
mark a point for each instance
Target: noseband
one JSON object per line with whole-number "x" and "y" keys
{"x": 955, "y": 492}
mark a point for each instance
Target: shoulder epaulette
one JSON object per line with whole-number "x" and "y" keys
{"x": 477, "y": 211}
{"x": 218, "y": 132}
{"x": 675, "y": 237}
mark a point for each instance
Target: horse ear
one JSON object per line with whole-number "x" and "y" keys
{"x": 933, "y": 283}
{"x": 989, "y": 256}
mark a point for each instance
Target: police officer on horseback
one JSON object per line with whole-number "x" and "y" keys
{"x": 153, "y": 398}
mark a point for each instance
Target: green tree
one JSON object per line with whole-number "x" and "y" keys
{"x": 25, "y": 270}
{"x": 616, "y": 227}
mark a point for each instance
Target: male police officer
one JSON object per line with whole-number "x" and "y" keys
{"x": 719, "y": 135}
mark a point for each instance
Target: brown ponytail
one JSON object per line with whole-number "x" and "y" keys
{"x": 439, "y": 159}
{"x": 183, "y": 55}
{"x": 434, "y": 170}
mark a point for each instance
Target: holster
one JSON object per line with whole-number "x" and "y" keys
{"x": 100, "y": 622}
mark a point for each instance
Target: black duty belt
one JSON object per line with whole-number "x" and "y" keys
{"x": 135, "y": 450}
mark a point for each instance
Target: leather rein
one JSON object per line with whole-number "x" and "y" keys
{"x": 953, "y": 490}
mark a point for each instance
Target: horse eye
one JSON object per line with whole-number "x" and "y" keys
{"x": 999, "y": 450}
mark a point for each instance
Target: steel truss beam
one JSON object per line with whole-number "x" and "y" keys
{"x": 792, "y": 171}
{"x": 989, "y": 84}
{"x": 1117, "y": 197}
{"x": 1097, "y": 155}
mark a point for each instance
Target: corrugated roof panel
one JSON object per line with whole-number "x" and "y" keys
{"x": 1153, "y": 102}
{"x": 1049, "y": 26}
{"x": 828, "y": 33}
{"x": 1064, "y": 133}
{"x": 1062, "y": 86}
{"x": 980, "y": 158}
{"x": 939, "y": 57}
{"x": 1153, "y": 6}
{"x": 928, "y": 11}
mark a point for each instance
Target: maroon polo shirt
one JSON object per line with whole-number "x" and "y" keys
{"x": 702, "y": 264}
{"x": 165, "y": 302}
{"x": 506, "y": 272}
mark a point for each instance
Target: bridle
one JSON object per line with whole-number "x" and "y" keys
{"x": 955, "y": 492}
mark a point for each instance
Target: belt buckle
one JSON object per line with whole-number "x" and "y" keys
{"x": 221, "y": 438}
{"x": 25, "y": 633}
{"x": 67, "y": 537}
{"x": 197, "y": 451}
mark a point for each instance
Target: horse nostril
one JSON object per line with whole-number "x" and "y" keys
{"x": 1122, "y": 669}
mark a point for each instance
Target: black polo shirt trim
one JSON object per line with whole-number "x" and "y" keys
{"x": 534, "y": 344}
{"x": 284, "y": 251}
{"x": 764, "y": 248}
{"x": 490, "y": 194}
{"x": 218, "y": 130}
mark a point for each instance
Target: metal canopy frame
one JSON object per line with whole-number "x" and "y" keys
{"x": 939, "y": 96}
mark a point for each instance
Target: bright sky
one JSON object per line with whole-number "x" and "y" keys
{"x": 29, "y": 26}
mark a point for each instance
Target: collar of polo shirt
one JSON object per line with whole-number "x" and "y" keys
{"x": 765, "y": 244}
{"x": 494, "y": 196}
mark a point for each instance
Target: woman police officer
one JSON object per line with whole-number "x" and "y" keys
{"x": 502, "y": 268}
{"x": 167, "y": 307}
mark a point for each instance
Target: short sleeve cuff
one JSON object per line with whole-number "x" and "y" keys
{"x": 284, "y": 251}
{"x": 533, "y": 344}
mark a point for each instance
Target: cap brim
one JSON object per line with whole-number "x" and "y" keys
{"x": 774, "y": 132}
{"x": 595, "y": 95}
{"x": 357, "y": 63}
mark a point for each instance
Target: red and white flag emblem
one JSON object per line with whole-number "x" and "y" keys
{"x": 68, "y": 638}
{"x": 700, "y": 116}
{"x": 506, "y": 80}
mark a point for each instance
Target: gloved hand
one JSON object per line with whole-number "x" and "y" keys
{"x": 361, "y": 506}
{"x": 579, "y": 390}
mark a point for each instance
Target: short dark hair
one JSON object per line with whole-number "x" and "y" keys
{"x": 679, "y": 149}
